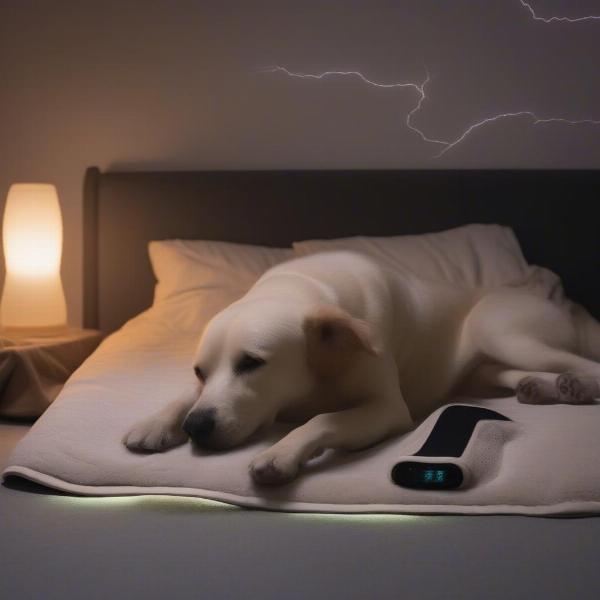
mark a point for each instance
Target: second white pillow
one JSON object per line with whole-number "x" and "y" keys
{"x": 471, "y": 255}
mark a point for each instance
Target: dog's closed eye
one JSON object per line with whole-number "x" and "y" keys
{"x": 247, "y": 363}
{"x": 200, "y": 374}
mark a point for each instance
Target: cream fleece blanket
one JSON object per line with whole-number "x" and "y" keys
{"x": 546, "y": 461}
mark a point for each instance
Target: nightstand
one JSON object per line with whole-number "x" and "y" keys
{"x": 33, "y": 369}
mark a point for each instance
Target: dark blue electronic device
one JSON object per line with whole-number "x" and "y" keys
{"x": 448, "y": 438}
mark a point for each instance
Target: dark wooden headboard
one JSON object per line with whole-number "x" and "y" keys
{"x": 555, "y": 215}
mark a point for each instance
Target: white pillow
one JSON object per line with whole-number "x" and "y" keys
{"x": 471, "y": 255}
{"x": 198, "y": 278}
{"x": 185, "y": 265}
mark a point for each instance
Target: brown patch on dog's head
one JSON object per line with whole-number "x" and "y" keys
{"x": 334, "y": 339}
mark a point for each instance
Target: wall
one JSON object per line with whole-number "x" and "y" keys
{"x": 183, "y": 85}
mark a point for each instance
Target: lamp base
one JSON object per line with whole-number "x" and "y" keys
{"x": 36, "y": 302}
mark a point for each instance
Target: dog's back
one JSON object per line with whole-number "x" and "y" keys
{"x": 417, "y": 321}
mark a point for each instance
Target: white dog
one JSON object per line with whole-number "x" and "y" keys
{"x": 360, "y": 353}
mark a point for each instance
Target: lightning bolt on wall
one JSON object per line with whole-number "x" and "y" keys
{"x": 422, "y": 97}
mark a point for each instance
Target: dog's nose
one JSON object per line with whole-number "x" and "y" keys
{"x": 200, "y": 423}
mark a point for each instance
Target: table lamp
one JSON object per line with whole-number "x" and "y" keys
{"x": 33, "y": 300}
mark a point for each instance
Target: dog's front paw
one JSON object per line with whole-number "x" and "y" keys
{"x": 273, "y": 469}
{"x": 154, "y": 435}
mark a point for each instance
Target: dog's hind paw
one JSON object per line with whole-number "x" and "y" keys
{"x": 577, "y": 389}
{"x": 154, "y": 435}
{"x": 533, "y": 390}
{"x": 272, "y": 470}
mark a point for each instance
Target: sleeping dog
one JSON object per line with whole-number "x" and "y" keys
{"x": 357, "y": 353}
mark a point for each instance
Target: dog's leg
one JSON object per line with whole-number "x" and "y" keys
{"x": 579, "y": 382}
{"x": 527, "y": 332}
{"x": 533, "y": 387}
{"x": 527, "y": 353}
{"x": 162, "y": 430}
{"x": 350, "y": 429}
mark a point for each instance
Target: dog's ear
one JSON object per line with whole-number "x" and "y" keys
{"x": 334, "y": 338}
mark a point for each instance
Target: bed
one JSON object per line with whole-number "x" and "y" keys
{"x": 554, "y": 215}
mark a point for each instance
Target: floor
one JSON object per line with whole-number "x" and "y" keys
{"x": 58, "y": 546}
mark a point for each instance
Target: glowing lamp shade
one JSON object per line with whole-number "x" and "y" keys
{"x": 33, "y": 295}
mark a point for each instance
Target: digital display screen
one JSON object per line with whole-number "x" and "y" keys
{"x": 441, "y": 476}
{"x": 434, "y": 476}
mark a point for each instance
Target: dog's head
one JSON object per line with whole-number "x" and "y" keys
{"x": 257, "y": 358}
